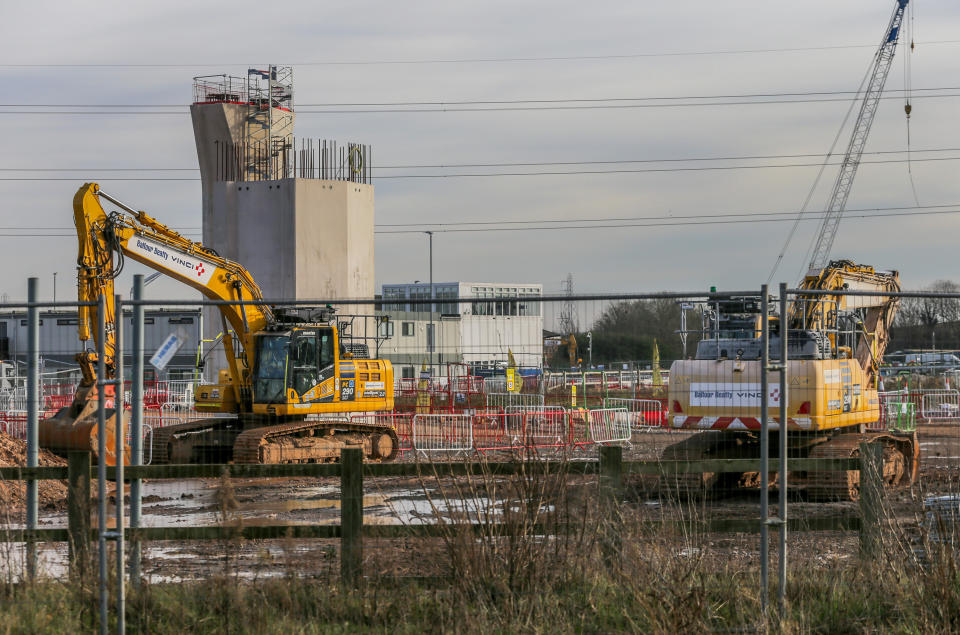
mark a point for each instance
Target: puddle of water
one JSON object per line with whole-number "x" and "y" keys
{"x": 51, "y": 561}
{"x": 300, "y": 503}
{"x": 193, "y": 503}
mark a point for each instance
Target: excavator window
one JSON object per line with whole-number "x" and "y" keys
{"x": 271, "y": 369}
{"x": 327, "y": 357}
{"x": 303, "y": 360}
{"x": 299, "y": 360}
{"x": 311, "y": 358}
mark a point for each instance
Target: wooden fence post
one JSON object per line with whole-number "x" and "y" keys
{"x": 78, "y": 512}
{"x": 871, "y": 493}
{"x": 611, "y": 468}
{"x": 351, "y": 516}
{"x": 611, "y": 464}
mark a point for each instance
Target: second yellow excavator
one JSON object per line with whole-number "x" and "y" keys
{"x": 285, "y": 369}
{"x": 835, "y": 342}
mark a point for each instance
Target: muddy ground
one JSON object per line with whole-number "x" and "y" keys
{"x": 13, "y": 494}
{"x": 413, "y": 500}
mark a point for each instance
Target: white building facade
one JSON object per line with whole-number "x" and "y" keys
{"x": 474, "y": 325}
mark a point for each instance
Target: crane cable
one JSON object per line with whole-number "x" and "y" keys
{"x": 907, "y": 94}
{"x": 826, "y": 159}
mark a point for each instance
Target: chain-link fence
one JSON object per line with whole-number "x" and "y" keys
{"x": 788, "y": 436}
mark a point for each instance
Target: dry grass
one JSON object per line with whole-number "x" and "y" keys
{"x": 545, "y": 553}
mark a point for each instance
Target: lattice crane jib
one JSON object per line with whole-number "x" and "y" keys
{"x": 851, "y": 161}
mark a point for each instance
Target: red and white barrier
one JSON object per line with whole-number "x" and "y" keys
{"x": 545, "y": 429}
{"x": 610, "y": 425}
{"x": 495, "y": 431}
{"x": 644, "y": 414}
{"x": 940, "y": 405}
{"x": 146, "y": 439}
{"x": 14, "y": 428}
{"x": 442, "y": 433}
{"x": 402, "y": 423}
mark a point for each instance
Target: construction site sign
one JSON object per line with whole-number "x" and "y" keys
{"x": 423, "y": 391}
{"x": 173, "y": 343}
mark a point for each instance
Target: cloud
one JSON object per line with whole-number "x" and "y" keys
{"x": 625, "y": 259}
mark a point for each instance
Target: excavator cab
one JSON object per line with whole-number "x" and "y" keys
{"x": 295, "y": 366}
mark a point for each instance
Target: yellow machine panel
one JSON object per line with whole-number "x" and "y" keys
{"x": 726, "y": 394}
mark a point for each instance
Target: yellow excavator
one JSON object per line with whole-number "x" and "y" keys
{"x": 284, "y": 368}
{"x": 835, "y": 344}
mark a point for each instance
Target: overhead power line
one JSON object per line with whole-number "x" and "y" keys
{"x": 650, "y": 221}
{"x": 669, "y": 217}
{"x": 494, "y": 102}
{"x": 454, "y": 107}
{"x": 469, "y": 60}
{"x": 791, "y": 218}
{"x": 380, "y": 177}
{"x": 413, "y": 166}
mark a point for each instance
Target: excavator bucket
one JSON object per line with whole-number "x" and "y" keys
{"x": 75, "y": 428}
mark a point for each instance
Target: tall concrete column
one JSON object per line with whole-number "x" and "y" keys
{"x": 301, "y": 239}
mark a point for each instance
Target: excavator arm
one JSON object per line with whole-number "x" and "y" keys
{"x": 299, "y": 362}
{"x": 106, "y": 239}
{"x": 819, "y": 312}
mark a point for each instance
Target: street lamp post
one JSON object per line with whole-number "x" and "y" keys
{"x": 433, "y": 336}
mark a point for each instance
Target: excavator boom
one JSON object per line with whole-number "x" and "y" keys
{"x": 874, "y": 312}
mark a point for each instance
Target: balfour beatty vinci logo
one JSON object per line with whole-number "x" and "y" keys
{"x": 727, "y": 394}
{"x": 730, "y": 394}
{"x": 172, "y": 257}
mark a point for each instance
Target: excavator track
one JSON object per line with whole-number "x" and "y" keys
{"x": 314, "y": 441}
{"x": 703, "y": 445}
{"x": 900, "y": 464}
{"x": 162, "y": 438}
{"x": 294, "y": 442}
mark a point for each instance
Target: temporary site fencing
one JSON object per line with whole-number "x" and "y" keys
{"x": 696, "y": 439}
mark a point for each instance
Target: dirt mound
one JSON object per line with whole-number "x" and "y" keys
{"x": 13, "y": 494}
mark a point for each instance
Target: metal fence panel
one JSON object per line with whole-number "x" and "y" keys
{"x": 645, "y": 414}
{"x": 939, "y": 405}
{"x": 442, "y": 433}
{"x": 504, "y": 400}
{"x": 545, "y": 428}
{"x": 610, "y": 425}
{"x": 496, "y": 431}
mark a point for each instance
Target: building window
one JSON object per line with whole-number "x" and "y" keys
{"x": 68, "y": 321}
{"x": 420, "y": 293}
{"x": 447, "y": 308}
{"x": 527, "y": 305}
{"x": 506, "y": 307}
{"x": 483, "y": 308}
{"x": 407, "y": 328}
{"x": 180, "y": 320}
{"x": 386, "y": 329}
{"x": 406, "y": 372}
{"x": 430, "y": 347}
{"x": 394, "y": 294}
{"x": 24, "y": 322}
{"x": 175, "y": 374}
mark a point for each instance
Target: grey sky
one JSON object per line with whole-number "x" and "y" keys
{"x": 231, "y": 37}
